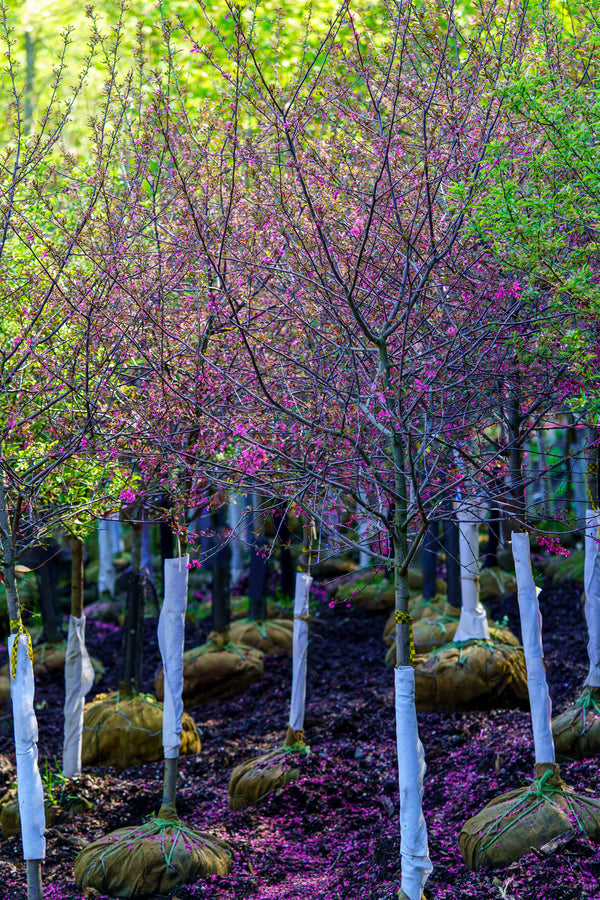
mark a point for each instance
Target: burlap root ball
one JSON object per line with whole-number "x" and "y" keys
{"x": 474, "y": 674}
{"x": 415, "y": 582}
{"x": 272, "y": 636}
{"x": 427, "y": 607}
{"x": 125, "y": 730}
{"x": 150, "y": 859}
{"x": 517, "y": 821}
{"x": 10, "y": 819}
{"x": 403, "y": 896}
{"x": 428, "y": 634}
{"x": 495, "y": 582}
{"x": 259, "y": 777}
{"x": 577, "y": 730}
{"x": 215, "y": 671}
{"x": 49, "y": 659}
{"x": 70, "y": 795}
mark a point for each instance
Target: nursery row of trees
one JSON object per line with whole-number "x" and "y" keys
{"x": 356, "y": 285}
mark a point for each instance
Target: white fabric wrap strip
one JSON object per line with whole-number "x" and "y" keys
{"x": 591, "y": 581}
{"x": 299, "y": 651}
{"x": 235, "y": 523}
{"x": 29, "y": 783}
{"x": 414, "y": 849}
{"x": 171, "y": 638}
{"x": 531, "y": 629}
{"x": 79, "y": 678}
{"x": 473, "y": 621}
{"x": 106, "y": 568}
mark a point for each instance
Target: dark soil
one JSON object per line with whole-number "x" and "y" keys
{"x": 334, "y": 834}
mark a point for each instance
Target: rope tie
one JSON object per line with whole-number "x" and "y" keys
{"x": 587, "y": 702}
{"x": 404, "y": 618}
{"x": 17, "y": 628}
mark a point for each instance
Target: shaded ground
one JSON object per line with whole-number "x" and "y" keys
{"x": 333, "y": 835}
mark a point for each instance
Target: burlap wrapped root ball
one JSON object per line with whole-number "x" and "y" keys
{"x": 215, "y": 671}
{"x": 71, "y": 795}
{"x": 577, "y": 730}
{"x": 261, "y": 776}
{"x": 517, "y": 821}
{"x": 476, "y": 674}
{"x": 272, "y": 636}
{"x": 434, "y": 632}
{"x": 421, "y": 610}
{"x": 125, "y": 730}
{"x": 49, "y": 659}
{"x": 150, "y": 859}
{"x": 10, "y": 819}
{"x": 495, "y": 582}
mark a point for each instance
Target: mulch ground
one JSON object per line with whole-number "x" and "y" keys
{"x": 333, "y": 834}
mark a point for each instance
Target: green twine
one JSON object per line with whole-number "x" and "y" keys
{"x": 541, "y": 790}
{"x": 156, "y": 828}
{"x": 587, "y": 702}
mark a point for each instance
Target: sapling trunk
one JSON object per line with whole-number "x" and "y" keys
{"x": 171, "y": 638}
{"x": 430, "y": 555}
{"x": 106, "y": 566}
{"x": 79, "y": 673}
{"x": 451, "y": 549}
{"x": 50, "y": 620}
{"x": 493, "y": 526}
{"x": 221, "y": 595}
{"x": 29, "y": 783}
{"x": 77, "y": 577}
{"x": 285, "y": 556}
{"x": 134, "y": 617}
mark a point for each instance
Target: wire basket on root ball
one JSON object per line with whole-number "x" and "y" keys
{"x": 217, "y": 670}
{"x": 272, "y": 636}
{"x": 474, "y": 674}
{"x": 508, "y": 827}
{"x": 259, "y": 777}
{"x": 126, "y": 729}
{"x": 577, "y": 730}
{"x": 150, "y": 859}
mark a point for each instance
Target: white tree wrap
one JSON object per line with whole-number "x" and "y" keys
{"x": 236, "y": 507}
{"x": 414, "y": 849}
{"x": 299, "y": 651}
{"x": 531, "y": 629}
{"x": 29, "y": 783}
{"x": 591, "y": 581}
{"x": 106, "y": 568}
{"x": 473, "y": 621}
{"x": 171, "y": 638}
{"x": 79, "y": 678}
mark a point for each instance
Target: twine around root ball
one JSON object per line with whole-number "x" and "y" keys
{"x": 577, "y": 730}
{"x": 253, "y": 780}
{"x": 475, "y": 674}
{"x": 518, "y": 821}
{"x": 148, "y": 859}
{"x": 271, "y": 636}
{"x": 217, "y": 670}
{"x": 403, "y": 896}
{"x": 126, "y": 729}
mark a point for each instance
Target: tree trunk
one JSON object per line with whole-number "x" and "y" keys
{"x": 29, "y": 783}
{"x": 134, "y": 618}
{"x": 77, "y": 577}
{"x": 220, "y": 566}
{"x": 429, "y": 560}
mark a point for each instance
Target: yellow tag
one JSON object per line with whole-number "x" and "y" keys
{"x": 15, "y": 649}
{"x": 403, "y": 618}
